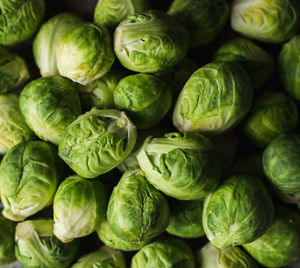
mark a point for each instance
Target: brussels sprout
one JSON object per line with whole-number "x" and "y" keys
{"x": 36, "y": 246}
{"x": 185, "y": 167}
{"x": 12, "y": 123}
{"x": 103, "y": 258}
{"x": 257, "y": 62}
{"x": 13, "y": 71}
{"x": 215, "y": 99}
{"x": 47, "y": 40}
{"x": 79, "y": 207}
{"x": 271, "y": 21}
{"x": 204, "y": 19}
{"x": 111, "y": 240}
{"x": 272, "y": 114}
{"x": 238, "y": 212}
{"x": 150, "y": 42}
{"x": 281, "y": 166}
{"x": 178, "y": 76}
{"x": 136, "y": 210}
{"x": 19, "y": 20}
{"x": 7, "y": 241}
{"x": 145, "y": 97}
{"x": 85, "y": 53}
{"x": 186, "y": 218}
{"x": 97, "y": 141}
{"x": 212, "y": 257}
{"x": 164, "y": 254}
{"x": 289, "y": 67}
{"x": 110, "y": 13}
{"x": 29, "y": 175}
{"x": 100, "y": 93}
{"x": 280, "y": 244}
{"x": 49, "y": 105}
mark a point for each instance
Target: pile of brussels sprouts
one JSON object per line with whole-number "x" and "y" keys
{"x": 156, "y": 134}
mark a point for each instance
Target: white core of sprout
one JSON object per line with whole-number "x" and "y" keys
{"x": 208, "y": 257}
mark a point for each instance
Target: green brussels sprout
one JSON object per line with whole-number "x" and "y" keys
{"x": 29, "y": 176}
{"x": 110, "y": 13}
{"x": 97, "y": 141}
{"x": 100, "y": 93}
{"x": 212, "y": 257}
{"x": 79, "y": 207}
{"x": 36, "y": 246}
{"x": 271, "y": 21}
{"x": 150, "y": 42}
{"x": 289, "y": 67}
{"x": 186, "y": 218}
{"x": 280, "y": 244}
{"x": 136, "y": 210}
{"x": 47, "y": 40}
{"x": 145, "y": 97}
{"x": 104, "y": 257}
{"x": 214, "y": 99}
{"x": 13, "y": 71}
{"x": 204, "y": 19}
{"x": 7, "y": 241}
{"x": 258, "y": 63}
{"x": 178, "y": 76}
{"x": 185, "y": 167}
{"x": 239, "y": 211}
{"x": 49, "y": 105}
{"x": 85, "y": 53}
{"x": 12, "y": 123}
{"x": 19, "y": 20}
{"x": 272, "y": 114}
{"x": 281, "y": 166}
{"x": 110, "y": 239}
{"x": 164, "y": 254}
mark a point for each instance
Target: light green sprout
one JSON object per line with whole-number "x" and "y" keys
{"x": 239, "y": 211}
{"x": 29, "y": 175}
{"x": 258, "y": 63}
{"x": 19, "y": 20}
{"x": 280, "y": 244}
{"x": 185, "y": 167}
{"x": 110, "y": 13}
{"x": 212, "y": 257}
{"x": 136, "y": 210}
{"x": 97, "y": 141}
{"x": 271, "y": 21}
{"x": 272, "y": 114}
{"x": 79, "y": 207}
{"x": 280, "y": 164}
{"x": 150, "y": 42}
{"x": 85, "y": 53}
{"x": 145, "y": 97}
{"x": 204, "y": 19}
{"x": 164, "y": 254}
{"x": 47, "y": 40}
{"x": 289, "y": 67}
{"x": 49, "y": 105}
{"x": 214, "y": 99}
{"x": 12, "y": 123}
{"x": 104, "y": 257}
{"x": 37, "y": 247}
